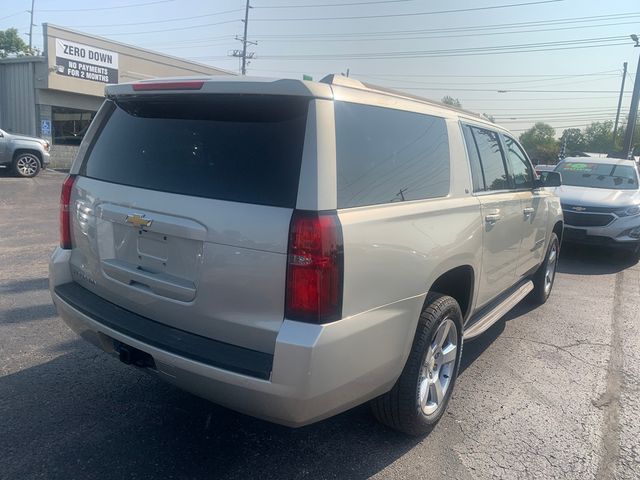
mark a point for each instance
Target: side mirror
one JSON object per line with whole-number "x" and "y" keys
{"x": 549, "y": 179}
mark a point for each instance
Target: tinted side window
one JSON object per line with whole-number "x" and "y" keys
{"x": 474, "y": 160}
{"x": 386, "y": 155}
{"x": 493, "y": 166}
{"x": 520, "y": 166}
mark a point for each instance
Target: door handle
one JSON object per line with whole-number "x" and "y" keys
{"x": 528, "y": 211}
{"x": 492, "y": 218}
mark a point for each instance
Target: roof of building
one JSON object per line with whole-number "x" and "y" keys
{"x": 115, "y": 43}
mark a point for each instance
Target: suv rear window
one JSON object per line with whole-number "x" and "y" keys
{"x": 229, "y": 147}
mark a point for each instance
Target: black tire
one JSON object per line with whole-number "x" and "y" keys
{"x": 400, "y": 408}
{"x": 26, "y": 164}
{"x": 541, "y": 288}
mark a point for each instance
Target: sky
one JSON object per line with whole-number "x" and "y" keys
{"x": 521, "y": 61}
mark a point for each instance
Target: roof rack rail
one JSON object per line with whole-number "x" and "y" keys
{"x": 335, "y": 79}
{"x": 341, "y": 80}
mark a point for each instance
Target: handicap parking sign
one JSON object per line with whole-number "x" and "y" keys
{"x": 45, "y": 127}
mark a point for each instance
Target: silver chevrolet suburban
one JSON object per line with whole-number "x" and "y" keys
{"x": 291, "y": 249}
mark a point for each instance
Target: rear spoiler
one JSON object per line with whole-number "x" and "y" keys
{"x": 222, "y": 85}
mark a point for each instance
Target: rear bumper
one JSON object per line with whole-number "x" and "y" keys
{"x": 316, "y": 370}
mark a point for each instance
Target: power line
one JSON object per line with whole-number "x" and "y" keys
{"x": 552, "y": 116}
{"x": 427, "y": 37}
{"x": 457, "y": 74}
{"x": 559, "y": 21}
{"x": 445, "y": 89}
{"x": 15, "y": 14}
{"x": 119, "y": 34}
{"x": 193, "y": 42}
{"x": 497, "y": 82}
{"x": 536, "y": 111}
{"x": 57, "y": 10}
{"x": 446, "y": 75}
{"x": 560, "y": 126}
{"x": 518, "y": 48}
{"x": 548, "y": 99}
{"x": 317, "y": 5}
{"x": 181, "y": 47}
{"x": 438, "y": 12}
{"x": 497, "y": 86}
{"x": 157, "y": 21}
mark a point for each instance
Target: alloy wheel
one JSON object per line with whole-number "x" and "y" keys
{"x": 550, "y": 272}
{"x": 438, "y": 367}
{"x": 27, "y": 165}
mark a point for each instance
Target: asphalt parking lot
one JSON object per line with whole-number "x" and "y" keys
{"x": 551, "y": 392}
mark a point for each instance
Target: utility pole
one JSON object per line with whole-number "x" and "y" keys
{"x": 615, "y": 126}
{"x": 563, "y": 149}
{"x": 243, "y": 53}
{"x": 627, "y": 146}
{"x": 31, "y": 26}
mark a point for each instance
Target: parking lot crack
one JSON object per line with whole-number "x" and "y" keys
{"x": 562, "y": 348}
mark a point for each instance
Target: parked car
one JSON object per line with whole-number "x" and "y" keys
{"x": 540, "y": 168}
{"x": 601, "y": 201}
{"x": 292, "y": 249}
{"x": 25, "y": 155}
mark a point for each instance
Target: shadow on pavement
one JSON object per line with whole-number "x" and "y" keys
{"x": 84, "y": 415}
{"x": 575, "y": 260}
{"x": 28, "y": 313}
{"x": 591, "y": 260}
{"x": 474, "y": 348}
{"x": 21, "y": 286}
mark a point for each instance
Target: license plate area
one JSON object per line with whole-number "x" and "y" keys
{"x": 153, "y": 251}
{"x": 166, "y": 244}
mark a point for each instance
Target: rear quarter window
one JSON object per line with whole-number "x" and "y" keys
{"x": 385, "y": 155}
{"x": 230, "y": 147}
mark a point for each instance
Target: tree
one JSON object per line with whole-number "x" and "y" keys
{"x": 575, "y": 140}
{"x": 540, "y": 143}
{"x": 449, "y": 100}
{"x": 491, "y": 118}
{"x": 598, "y": 137}
{"x": 11, "y": 43}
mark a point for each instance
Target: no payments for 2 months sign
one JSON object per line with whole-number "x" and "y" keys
{"x": 86, "y": 62}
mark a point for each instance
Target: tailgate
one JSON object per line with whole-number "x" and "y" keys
{"x": 175, "y": 220}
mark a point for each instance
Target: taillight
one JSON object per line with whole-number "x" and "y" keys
{"x": 315, "y": 265}
{"x": 65, "y": 221}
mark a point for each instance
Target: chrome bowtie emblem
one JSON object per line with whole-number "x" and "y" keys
{"x": 138, "y": 220}
{"x": 579, "y": 209}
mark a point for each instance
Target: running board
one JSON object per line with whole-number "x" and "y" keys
{"x": 491, "y": 317}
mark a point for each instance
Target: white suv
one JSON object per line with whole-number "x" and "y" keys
{"x": 600, "y": 198}
{"x": 292, "y": 249}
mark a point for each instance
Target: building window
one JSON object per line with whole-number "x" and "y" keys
{"x": 70, "y": 125}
